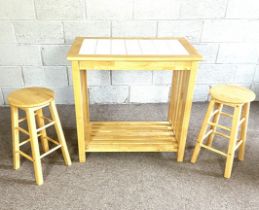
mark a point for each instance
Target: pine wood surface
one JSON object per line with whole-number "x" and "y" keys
{"x": 134, "y": 136}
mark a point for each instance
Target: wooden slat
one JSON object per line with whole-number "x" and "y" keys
{"x": 131, "y": 123}
{"x": 135, "y": 128}
{"x": 132, "y": 148}
{"x": 131, "y": 126}
{"x": 132, "y": 129}
{"x": 131, "y": 142}
{"x": 131, "y": 136}
{"x": 141, "y": 138}
{"x": 131, "y": 133}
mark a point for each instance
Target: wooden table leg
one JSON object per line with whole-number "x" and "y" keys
{"x": 79, "y": 109}
{"x": 188, "y": 89}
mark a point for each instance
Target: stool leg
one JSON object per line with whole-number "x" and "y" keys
{"x": 202, "y": 132}
{"x": 232, "y": 142}
{"x": 15, "y": 137}
{"x": 40, "y": 121}
{"x": 60, "y": 134}
{"x": 34, "y": 147}
{"x": 245, "y": 114}
{"x": 216, "y": 121}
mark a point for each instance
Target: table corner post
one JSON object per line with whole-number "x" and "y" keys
{"x": 79, "y": 110}
{"x": 187, "y": 110}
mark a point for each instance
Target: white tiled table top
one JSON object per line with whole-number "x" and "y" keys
{"x": 132, "y": 47}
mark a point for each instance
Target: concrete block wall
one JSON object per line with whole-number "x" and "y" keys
{"x": 36, "y": 35}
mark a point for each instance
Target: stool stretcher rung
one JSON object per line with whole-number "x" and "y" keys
{"x": 46, "y": 126}
{"x": 46, "y": 118}
{"x": 26, "y": 156}
{"x": 22, "y": 119}
{"x": 213, "y": 150}
{"x": 52, "y": 140}
{"x": 23, "y": 131}
{"x": 24, "y": 142}
{"x": 207, "y": 134}
{"x": 50, "y": 151}
{"x": 215, "y": 112}
{"x": 222, "y": 134}
{"x": 220, "y": 126}
{"x": 241, "y": 121}
{"x": 226, "y": 114}
{"x": 239, "y": 142}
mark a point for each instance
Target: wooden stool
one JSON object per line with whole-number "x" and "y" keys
{"x": 32, "y": 101}
{"x": 233, "y": 96}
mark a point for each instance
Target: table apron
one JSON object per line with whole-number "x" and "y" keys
{"x": 135, "y": 65}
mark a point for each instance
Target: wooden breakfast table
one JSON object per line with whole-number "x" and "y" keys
{"x": 177, "y": 54}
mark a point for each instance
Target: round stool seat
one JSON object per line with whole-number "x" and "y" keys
{"x": 31, "y": 97}
{"x": 232, "y": 94}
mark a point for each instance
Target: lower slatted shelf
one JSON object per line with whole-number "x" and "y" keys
{"x": 131, "y": 137}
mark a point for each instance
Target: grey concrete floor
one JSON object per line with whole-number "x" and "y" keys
{"x": 131, "y": 180}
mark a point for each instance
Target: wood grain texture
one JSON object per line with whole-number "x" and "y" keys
{"x": 134, "y": 54}
{"x": 232, "y": 142}
{"x": 79, "y": 108}
{"x": 60, "y": 134}
{"x": 35, "y": 113}
{"x": 34, "y": 147}
{"x": 15, "y": 137}
{"x": 245, "y": 116}
{"x": 232, "y": 94}
{"x": 238, "y": 98}
{"x": 43, "y": 132}
{"x": 30, "y": 97}
{"x": 131, "y": 137}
